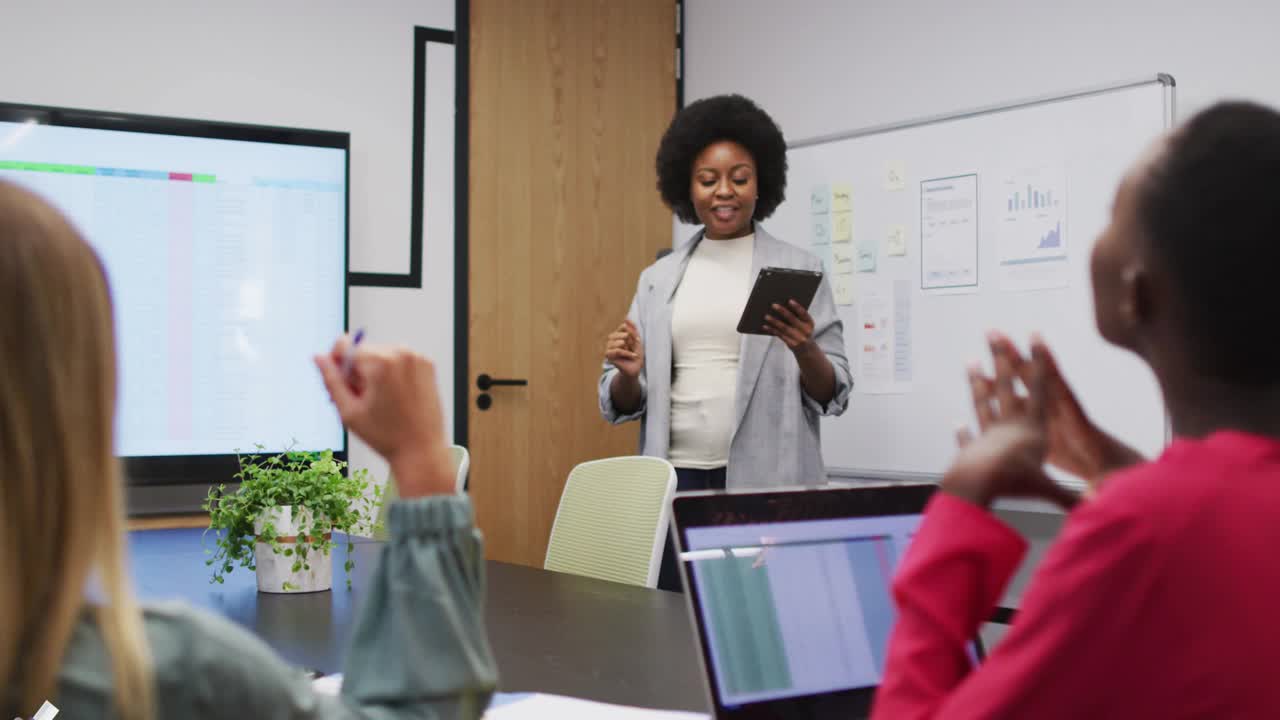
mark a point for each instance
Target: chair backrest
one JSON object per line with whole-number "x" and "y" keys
{"x": 612, "y": 520}
{"x": 461, "y": 466}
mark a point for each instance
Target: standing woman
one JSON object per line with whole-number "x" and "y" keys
{"x": 726, "y": 409}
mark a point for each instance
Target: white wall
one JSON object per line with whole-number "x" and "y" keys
{"x": 821, "y": 66}
{"x": 325, "y": 64}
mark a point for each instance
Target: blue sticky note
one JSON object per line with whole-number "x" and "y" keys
{"x": 867, "y": 256}
{"x": 821, "y": 234}
{"x": 820, "y": 199}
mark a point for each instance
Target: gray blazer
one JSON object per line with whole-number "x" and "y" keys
{"x": 775, "y": 436}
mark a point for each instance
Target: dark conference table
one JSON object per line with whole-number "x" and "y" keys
{"x": 551, "y": 632}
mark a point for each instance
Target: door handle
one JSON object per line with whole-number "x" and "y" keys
{"x": 484, "y": 382}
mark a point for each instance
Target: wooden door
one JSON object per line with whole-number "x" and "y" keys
{"x": 568, "y": 101}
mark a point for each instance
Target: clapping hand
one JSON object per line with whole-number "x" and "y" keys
{"x": 1007, "y": 457}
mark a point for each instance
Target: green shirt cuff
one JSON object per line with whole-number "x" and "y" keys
{"x": 429, "y": 516}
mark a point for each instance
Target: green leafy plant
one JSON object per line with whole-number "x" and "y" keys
{"x": 315, "y": 481}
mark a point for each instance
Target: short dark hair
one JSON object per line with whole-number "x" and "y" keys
{"x": 710, "y": 120}
{"x": 1209, "y": 211}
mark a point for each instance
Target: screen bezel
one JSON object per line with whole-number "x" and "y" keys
{"x": 709, "y": 509}
{"x": 200, "y": 469}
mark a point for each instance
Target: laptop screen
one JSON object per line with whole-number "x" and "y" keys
{"x": 797, "y": 608}
{"x": 791, "y": 593}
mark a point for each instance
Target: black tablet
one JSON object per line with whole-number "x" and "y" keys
{"x": 776, "y": 285}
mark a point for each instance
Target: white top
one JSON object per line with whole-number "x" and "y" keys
{"x": 705, "y": 345}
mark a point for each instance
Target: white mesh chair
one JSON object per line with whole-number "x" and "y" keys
{"x": 612, "y": 520}
{"x": 461, "y": 466}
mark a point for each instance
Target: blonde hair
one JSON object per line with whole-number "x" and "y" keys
{"x": 61, "y": 500}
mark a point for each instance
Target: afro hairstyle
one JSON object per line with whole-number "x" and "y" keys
{"x": 711, "y": 120}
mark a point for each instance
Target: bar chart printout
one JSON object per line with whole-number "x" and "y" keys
{"x": 1032, "y": 229}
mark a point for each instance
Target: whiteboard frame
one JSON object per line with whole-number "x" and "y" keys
{"x": 848, "y": 474}
{"x": 1164, "y": 79}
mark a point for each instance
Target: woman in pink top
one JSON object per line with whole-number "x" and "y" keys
{"x": 1159, "y": 598}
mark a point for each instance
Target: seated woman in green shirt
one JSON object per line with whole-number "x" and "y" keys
{"x": 70, "y": 629}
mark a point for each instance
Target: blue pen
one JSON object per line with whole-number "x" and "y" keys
{"x": 348, "y": 357}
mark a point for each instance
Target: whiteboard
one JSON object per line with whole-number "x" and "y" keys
{"x": 1061, "y": 156}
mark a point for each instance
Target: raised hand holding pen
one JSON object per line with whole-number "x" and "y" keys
{"x": 348, "y": 356}
{"x": 389, "y": 397}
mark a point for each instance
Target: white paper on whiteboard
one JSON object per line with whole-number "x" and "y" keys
{"x": 949, "y": 234}
{"x": 1032, "y": 242}
{"x": 883, "y": 354}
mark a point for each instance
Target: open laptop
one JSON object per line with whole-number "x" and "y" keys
{"x": 790, "y": 593}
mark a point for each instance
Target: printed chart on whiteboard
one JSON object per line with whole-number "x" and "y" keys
{"x": 949, "y": 234}
{"x": 1032, "y": 237}
{"x": 884, "y": 355}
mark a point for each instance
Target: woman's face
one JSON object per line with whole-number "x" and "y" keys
{"x": 723, "y": 189}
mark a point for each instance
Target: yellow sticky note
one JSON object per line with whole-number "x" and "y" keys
{"x": 842, "y": 264}
{"x": 895, "y": 175}
{"x": 842, "y": 227}
{"x": 895, "y": 243}
{"x": 842, "y": 252}
{"x": 841, "y": 198}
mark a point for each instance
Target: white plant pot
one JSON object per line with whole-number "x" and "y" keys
{"x": 275, "y": 570}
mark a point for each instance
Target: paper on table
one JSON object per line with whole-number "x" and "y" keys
{"x": 514, "y": 706}
{"x": 566, "y": 708}
{"x": 328, "y": 684}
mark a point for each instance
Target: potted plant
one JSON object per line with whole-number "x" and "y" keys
{"x": 281, "y": 520}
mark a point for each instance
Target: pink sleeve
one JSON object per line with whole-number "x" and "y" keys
{"x": 1062, "y": 652}
{"x": 948, "y": 584}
